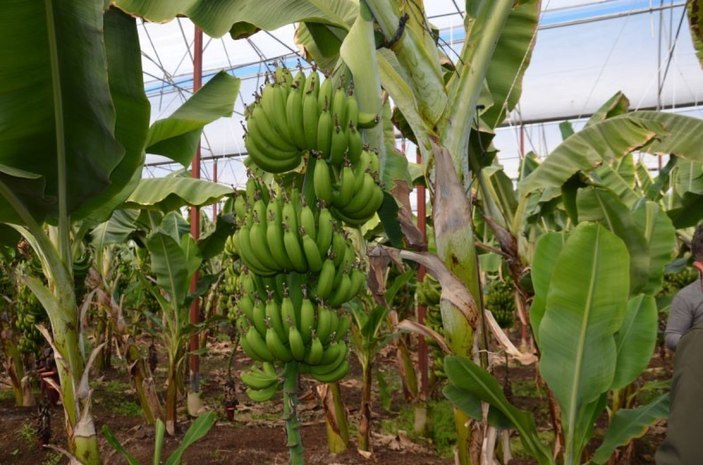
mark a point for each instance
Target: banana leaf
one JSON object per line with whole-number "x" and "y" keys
{"x": 510, "y": 61}
{"x": 546, "y": 254}
{"x": 694, "y": 9}
{"x": 217, "y": 17}
{"x": 585, "y": 307}
{"x": 651, "y": 132}
{"x": 616, "y": 105}
{"x": 660, "y": 234}
{"x": 635, "y": 340}
{"x": 58, "y": 117}
{"x": 469, "y": 382}
{"x": 628, "y": 424}
{"x": 171, "y": 193}
{"x": 170, "y": 266}
{"x": 178, "y": 136}
{"x": 132, "y": 112}
{"x": 603, "y": 206}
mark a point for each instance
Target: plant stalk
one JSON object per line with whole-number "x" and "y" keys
{"x": 290, "y": 413}
{"x": 364, "y": 436}
{"x": 336, "y": 424}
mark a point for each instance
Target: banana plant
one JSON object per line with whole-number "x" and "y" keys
{"x": 197, "y": 430}
{"x": 84, "y": 118}
{"x": 367, "y": 340}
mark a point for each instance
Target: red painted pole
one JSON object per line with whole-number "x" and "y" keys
{"x": 194, "y": 345}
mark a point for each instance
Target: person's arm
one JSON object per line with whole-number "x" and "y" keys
{"x": 680, "y": 321}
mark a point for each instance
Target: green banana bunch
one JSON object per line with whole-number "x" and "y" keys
{"x": 262, "y": 383}
{"x": 499, "y": 298}
{"x": 351, "y": 189}
{"x": 287, "y": 329}
{"x": 295, "y": 114}
{"x": 428, "y": 292}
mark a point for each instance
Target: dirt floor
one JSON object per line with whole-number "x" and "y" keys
{"x": 257, "y": 436}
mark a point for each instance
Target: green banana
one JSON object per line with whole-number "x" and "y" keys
{"x": 324, "y": 96}
{"x": 307, "y": 319}
{"x": 310, "y": 119}
{"x": 259, "y": 317}
{"x": 295, "y": 251}
{"x": 315, "y": 353}
{"x": 325, "y": 228}
{"x": 273, "y": 316}
{"x": 340, "y": 293}
{"x": 326, "y": 279}
{"x": 346, "y": 186}
{"x": 257, "y": 379}
{"x": 324, "y": 321}
{"x": 324, "y": 132}
{"x": 322, "y": 183}
{"x": 343, "y": 328}
{"x": 312, "y": 253}
{"x": 260, "y": 121}
{"x": 245, "y": 251}
{"x": 246, "y": 305}
{"x": 276, "y": 346}
{"x": 274, "y": 239}
{"x": 338, "y": 144}
{"x": 262, "y": 395}
{"x": 258, "y": 345}
{"x": 297, "y": 346}
{"x": 307, "y": 221}
{"x": 339, "y": 104}
{"x": 334, "y": 375}
{"x": 355, "y": 145}
{"x": 352, "y": 112}
{"x": 288, "y": 312}
{"x": 264, "y": 161}
{"x": 294, "y": 115}
{"x": 251, "y": 353}
{"x": 260, "y": 248}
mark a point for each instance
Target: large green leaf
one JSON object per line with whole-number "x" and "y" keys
{"x": 689, "y": 213}
{"x": 635, "y": 339}
{"x": 616, "y": 105}
{"x": 694, "y": 8}
{"x": 178, "y": 136}
{"x": 213, "y": 243}
{"x": 510, "y": 60}
{"x": 57, "y": 115}
{"x": 611, "y": 178}
{"x": 217, "y": 17}
{"x": 131, "y": 109}
{"x": 603, "y": 206}
{"x": 546, "y": 254}
{"x": 660, "y": 234}
{"x": 590, "y": 148}
{"x": 469, "y": 380}
{"x": 628, "y": 424}
{"x": 169, "y": 265}
{"x": 585, "y": 307}
{"x": 116, "y": 230}
{"x": 485, "y": 26}
{"x": 688, "y": 177}
{"x": 418, "y": 56}
{"x": 197, "y": 430}
{"x": 649, "y": 131}
{"x": 171, "y": 193}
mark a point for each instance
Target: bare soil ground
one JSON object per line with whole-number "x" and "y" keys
{"x": 257, "y": 436}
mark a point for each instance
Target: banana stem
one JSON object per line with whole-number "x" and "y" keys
{"x": 290, "y": 413}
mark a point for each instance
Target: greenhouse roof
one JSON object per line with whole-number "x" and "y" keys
{"x": 585, "y": 51}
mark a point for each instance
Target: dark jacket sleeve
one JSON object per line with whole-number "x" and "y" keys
{"x": 680, "y": 321}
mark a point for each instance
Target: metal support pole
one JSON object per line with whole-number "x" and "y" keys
{"x": 214, "y": 179}
{"x": 194, "y": 361}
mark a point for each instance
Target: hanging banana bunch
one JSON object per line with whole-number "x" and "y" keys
{"x": 298, "y": 117}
